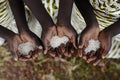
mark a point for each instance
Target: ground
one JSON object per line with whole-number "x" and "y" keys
{"x": 48, "y": 68}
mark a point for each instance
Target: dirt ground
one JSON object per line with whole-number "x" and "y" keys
{"x": 48, "y": 68}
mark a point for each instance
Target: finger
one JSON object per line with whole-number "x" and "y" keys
{"x": 51, "y": 52}
{"x": 15, "y": 55}
{"x": 90, "y": 54}
{"x": 104, "y": 54}
{"x": 84, "y": 57}
{"x": 23, "y": 59}
{"x": 81, "y": 42}
{"x": 40, "y": 49}
{"x": 45, "y": 51}
{"x": 35, "y": 54}
{"x": 72, "y": 50}
{"x": 97, "y": 62}
{"x": 66, "y": 50}
{"x": 62, "y": 47}
{"x": 80, "y": 52}
{"x": 91, "y": 59}
{"x": 74, "y": 41}
{"x": 46, "y": 46}
{"x": 57, "y": 53}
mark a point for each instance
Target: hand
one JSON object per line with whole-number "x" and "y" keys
{"x": 105, "y": 45}
{"x": 46, "y": 36}
{"x": 70, "y": 32}
{"x": 90, "y": 32}
{"x": 25, "y": 37}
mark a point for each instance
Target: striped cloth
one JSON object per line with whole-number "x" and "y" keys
{"x": 107, "y": 12}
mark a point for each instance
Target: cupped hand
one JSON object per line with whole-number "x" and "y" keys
{"x": 68, "y": 31}
{"x": 105, "y": 45}
{"x": 17, "y": 39}
{"x": 46, "y": 37}
{"x": 90, "y": 32}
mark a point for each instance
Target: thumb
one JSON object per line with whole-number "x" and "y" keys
{"x": 15, "y": 55}
{"x": 46, "y": 44}
{"x": 81, "y": 43}
{"x": 74, "y": 41}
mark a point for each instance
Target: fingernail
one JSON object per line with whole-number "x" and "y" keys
{"x": 103, "y": 57}
{"x": 40, "y": 47}
{"x": 45, "y": 52}
{"x": 16, "y": 59}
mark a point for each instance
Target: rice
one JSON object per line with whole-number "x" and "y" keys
{"x": 25, "y": 48}
{"x": 93, "y": 45}
{"x": 56, "y": 41}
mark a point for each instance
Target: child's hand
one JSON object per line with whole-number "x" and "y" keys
{"x": 70, "y": 47}
{"x": 46, "y": 36}
{"x": 25, "y": 37}
{"x": 90, "y": 32}
{"x": 105, "y": 44}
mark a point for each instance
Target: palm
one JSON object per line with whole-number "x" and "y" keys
{"x": 72, "y": 35}
{"x": 87, "y": 34}
{"x": 21, "y": 38}
{"x": 46, "y": 36}
{"x": 105, "y": 44}
{"x": 105, "y": 40}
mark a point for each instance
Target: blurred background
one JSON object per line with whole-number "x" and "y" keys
{"x": 48, "y": 68}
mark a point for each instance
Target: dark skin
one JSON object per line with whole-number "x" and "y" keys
{"x": 105, "y": 38}
{"x": 14, "y": 40}
{"x": 92, "y": 32}
{"x": 50, "y": 29}
{"x": 48, "y": 26}
{"x": 25, "y": 35}
{"x": 65, "y": 28}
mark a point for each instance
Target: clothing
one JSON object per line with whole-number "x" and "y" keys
{"x": 107, "y": 12}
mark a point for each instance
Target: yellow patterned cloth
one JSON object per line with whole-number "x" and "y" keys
{"x": 107, "y": 12}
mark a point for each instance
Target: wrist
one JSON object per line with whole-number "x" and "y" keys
{"x": 23, "y": 28}
{"x": 67, "y": 24}
{"x": 47, "y": 27}
{"x": 107, "y": 32}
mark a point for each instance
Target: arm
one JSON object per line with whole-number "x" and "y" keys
{"x": 65, "y": 28}
{"x": 17, "y": 7}
{"x": 113, "y": 29}
{"x": 105, "y": 38}
{"x": 25, "y": 35}
{"x": 48, "y": 26}
{"x": 64, "y": 13}
{"x": 86, "y": 10}
{"x": 40, "y": 13}
{"x": 6, "y": 33}
{"x": 91, "y": 30}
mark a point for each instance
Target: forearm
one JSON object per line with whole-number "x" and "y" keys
{"x": 64, "y": 13}
{"x": 17, "y": 7}
{"x": 6, "y": 33}
{"x": 113, "y": 29}
{"x": 40, "y": 12}
{"x": 86, "y": 10}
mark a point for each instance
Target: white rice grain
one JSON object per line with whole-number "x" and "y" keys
{"x": 25, "y": 48}
{"x": 93, "y": 45}
{"x": 56, "y": 41}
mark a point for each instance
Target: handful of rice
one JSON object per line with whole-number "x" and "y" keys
{"x": 25, "y": 48}
{"x": 93, "y": 45}
{"x": 56, "y": 41}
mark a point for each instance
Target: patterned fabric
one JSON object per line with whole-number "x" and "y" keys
{"x": 107, "y": 12}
